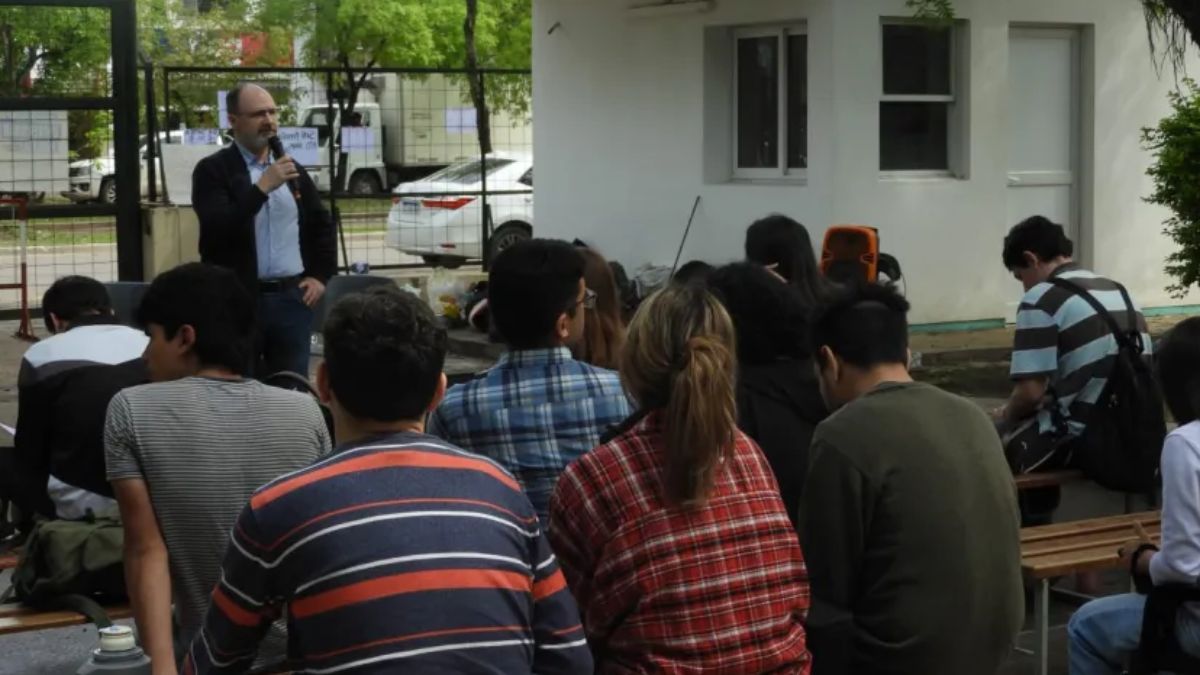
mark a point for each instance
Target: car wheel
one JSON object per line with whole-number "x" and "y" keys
{"x": 507, "y": 235}
{"x": 365, "y": 183}
{"x": 108, "y": 191}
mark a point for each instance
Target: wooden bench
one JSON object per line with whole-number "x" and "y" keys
{"x": 15, "y": 618}
{"x": 1061, "y": 549}
{"x": 1031, "y": 481}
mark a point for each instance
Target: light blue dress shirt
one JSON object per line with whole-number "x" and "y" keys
{"x": 276, "y": 227}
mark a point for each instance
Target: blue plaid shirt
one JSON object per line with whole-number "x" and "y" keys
{"x": 535, "y": 412}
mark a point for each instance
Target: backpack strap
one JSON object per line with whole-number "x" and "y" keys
{"x": 82, "y": 604}
{"x": 1131, "y": 339}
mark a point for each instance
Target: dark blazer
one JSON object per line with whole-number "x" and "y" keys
{"x": 226, "y": 203}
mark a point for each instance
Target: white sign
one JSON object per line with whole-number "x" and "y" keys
{"x": 201, "y": 136}
{"x": 357, "y": 138}
{"x": 460, "y": 120}
{"x": 178, "y": 163}
{"x": 301, "y": 143}
{"x": 222, "y": 111}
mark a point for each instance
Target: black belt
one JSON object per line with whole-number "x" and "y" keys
{"x": 278, "y": 285}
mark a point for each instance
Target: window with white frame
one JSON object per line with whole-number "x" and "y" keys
{"x": 770, "y": 116}
{"x": 917, "y": 109}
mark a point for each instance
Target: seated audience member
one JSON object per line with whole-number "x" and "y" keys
{"x": 693, "y": 272}
{"x": 603, "y": 329}
{"x": 907, "y": 518}
{"x": 1062, "y": 355}
{"x": 672, "y": 536}
{"x": 185, "y": 452}
{"x": 783, "y": 246}
{"x": 538, "y": 409}
{"x": 65, "y": 384}
{"x": 779, "y": 401}
{"x": 1105, "y": 632}
{"x": 402, "y": 553}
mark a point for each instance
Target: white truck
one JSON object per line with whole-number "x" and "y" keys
{"x": 34, "y": 156}
{"x": 405, "y": 128}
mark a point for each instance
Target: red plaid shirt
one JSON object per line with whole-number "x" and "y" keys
{"x": 717, "y": 589}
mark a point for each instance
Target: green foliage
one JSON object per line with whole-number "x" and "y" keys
{"x": 1175, "y": 145}
{"x": 53, "y": 50}
{"x": 934, "y": 11}
{"x": 355, "y": 34}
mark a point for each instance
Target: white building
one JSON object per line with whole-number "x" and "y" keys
{"x": 940, "y": 140}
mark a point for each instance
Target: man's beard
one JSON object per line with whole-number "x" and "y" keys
{"x": 256, "y": 142}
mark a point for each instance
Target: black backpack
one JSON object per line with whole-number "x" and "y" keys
{"x": 1122, "y": 444}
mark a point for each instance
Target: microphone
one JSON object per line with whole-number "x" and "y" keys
{"x": 277, "y": 151}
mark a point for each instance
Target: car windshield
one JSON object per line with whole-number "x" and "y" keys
{"x": 467, "y": 173}
{"x": 320, "y": 120}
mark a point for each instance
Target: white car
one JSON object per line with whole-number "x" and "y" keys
{"x": 444, "y": 226}
{"x": 95, "y": 179}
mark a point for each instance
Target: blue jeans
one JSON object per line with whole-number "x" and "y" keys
{"x": 1105, "y": 632}
{"x": 284, "y": 332}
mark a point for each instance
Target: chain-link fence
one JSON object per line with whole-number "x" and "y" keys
{"x": 396, "y": 153}
{"x": 61, "y": 101}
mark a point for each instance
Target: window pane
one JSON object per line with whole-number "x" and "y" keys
{"x": 758, "y": 103}
{"x": 913, "y": 136}
{"x": 916, "y": 60}
{"x": 797, "y": 151}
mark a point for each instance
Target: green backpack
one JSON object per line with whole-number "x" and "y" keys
{"x": 72, "y": 564}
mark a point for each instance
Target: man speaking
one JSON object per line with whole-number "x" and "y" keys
{"x": 264, "y": 220}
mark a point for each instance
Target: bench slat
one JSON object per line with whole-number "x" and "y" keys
{"x": 1094, "y": 525}
{"x": 1082, "y": 546}
{"x": 1043, "y": 548}
{"x": 15, "y": 618}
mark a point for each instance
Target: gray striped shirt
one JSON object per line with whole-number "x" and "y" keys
{"x": 203, "y": 446}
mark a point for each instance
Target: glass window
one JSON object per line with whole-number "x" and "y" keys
{"x": 468, "y": 172}
{"x": 917, "y": 106}
{"x": 771, "y": 107}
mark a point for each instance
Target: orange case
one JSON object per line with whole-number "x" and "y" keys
{"x": 855, "y": 244}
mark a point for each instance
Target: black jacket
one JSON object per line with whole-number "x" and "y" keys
{"x": 779, "y": 406}
{"x": 226, "y": 204}
{"x": 60, "y": 430}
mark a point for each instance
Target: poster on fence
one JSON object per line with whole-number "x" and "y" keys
{"x": 358, "y": 138}
{"x": 460, "y": 120}
{"x": 202, "y": 137}
{"x": 222, "y": 111}
{"x": 301, "y": 143}
{"x": 179, "y": 161}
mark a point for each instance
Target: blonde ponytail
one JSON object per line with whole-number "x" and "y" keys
{"x": 679, "y": 359}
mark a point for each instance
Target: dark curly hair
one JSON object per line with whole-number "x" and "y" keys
{"x": 384, "y": 350}
{"x": 770, "y": 317}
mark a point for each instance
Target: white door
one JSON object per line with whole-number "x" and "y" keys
{"x": 1043, "y": 136}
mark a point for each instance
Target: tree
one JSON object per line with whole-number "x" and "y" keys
{"x": 53, "y": 50}
{"x": 353, "y": 35}
{"x": 1175, "y": 144}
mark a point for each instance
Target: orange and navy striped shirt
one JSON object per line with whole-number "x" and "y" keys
{"x": 402, "y": 553}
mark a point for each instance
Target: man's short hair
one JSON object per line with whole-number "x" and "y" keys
{"x": 769, "y": 316}
{"x": 70, "y": 298}
{"x": 1039, "y": 235}
{"x": 865, "y": 325}
{"x": 1177, "y": 360}
{"x": 384, "y": 350}
{"x": 233, "y": 98}
{"x": 214, "y": 303}
{"x": 530, "y": 285}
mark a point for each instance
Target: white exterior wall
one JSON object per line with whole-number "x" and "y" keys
{"x": 620, "y": 143}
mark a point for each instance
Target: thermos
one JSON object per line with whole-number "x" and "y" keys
{"x": 118, "y": 654}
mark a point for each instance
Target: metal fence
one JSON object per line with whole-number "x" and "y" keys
{"x": 58, "y": 121}
{"x": 394, "y": 151}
